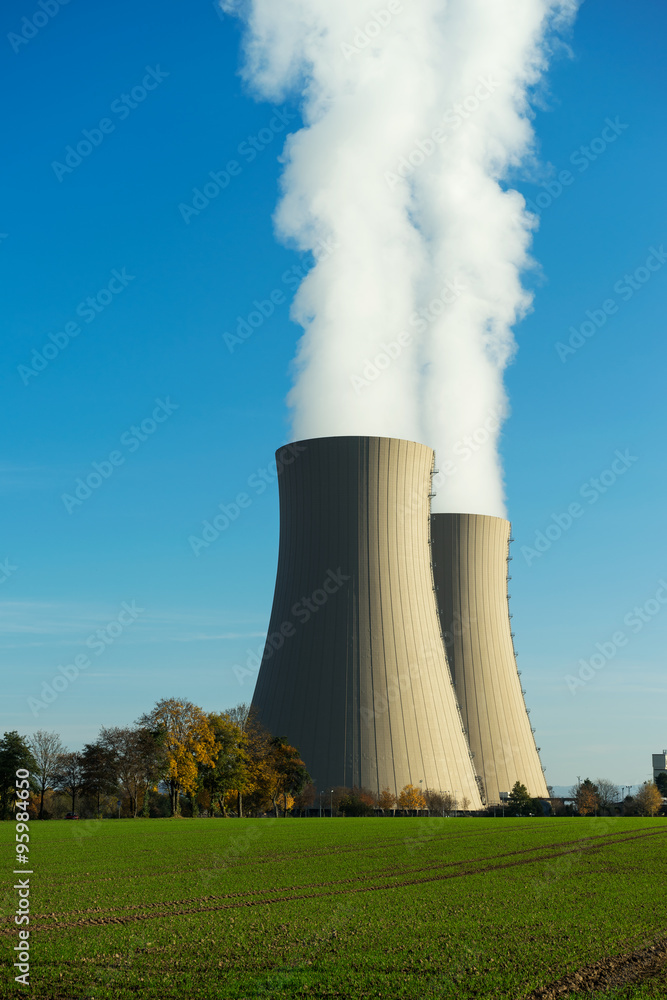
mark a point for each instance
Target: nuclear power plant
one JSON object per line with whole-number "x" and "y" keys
{"x": 470, "y": 569}
{"x": 389, "y": 658}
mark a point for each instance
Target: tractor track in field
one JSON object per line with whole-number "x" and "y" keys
{"x": 392, "y": 871}
{"x": 267, "y": 859}
{"x": 238, "y": 862}
{"x": 637, "y": 966}
{"x": 239, "y": 900}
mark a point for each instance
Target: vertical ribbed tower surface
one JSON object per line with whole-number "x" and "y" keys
{"x": 470, "y": 553}
{"x": 354, "y": 671}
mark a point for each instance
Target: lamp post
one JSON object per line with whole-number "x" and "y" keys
{"x": 331, "y": 803}
{"x": 421, "y": 793}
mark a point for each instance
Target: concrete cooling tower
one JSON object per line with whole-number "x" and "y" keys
{"x": 354, "y": 671}
{"x": 470, "y": 559}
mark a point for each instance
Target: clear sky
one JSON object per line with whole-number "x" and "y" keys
{"x": 149, "y": 352}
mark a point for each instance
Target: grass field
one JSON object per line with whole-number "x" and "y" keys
{"x": 342, "y": 908}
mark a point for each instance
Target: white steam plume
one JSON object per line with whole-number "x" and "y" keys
{"x": 414, "y": 114}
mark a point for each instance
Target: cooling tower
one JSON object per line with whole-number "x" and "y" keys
{"x": 354, "y": 671}
{"x": 470, "y": 560}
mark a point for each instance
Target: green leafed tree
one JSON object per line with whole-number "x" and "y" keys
{"x": 99, "y": 771}
{"x": 290, "y": 774}
{"x": 229, "y": 772}
{"x": 69, "y": 777}
{"x": 519, "y": 802}
{"x": 15, "y": 753}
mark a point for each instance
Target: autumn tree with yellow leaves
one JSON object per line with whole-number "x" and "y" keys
{"x": 411, "y": 797}
{"x": 648, "y": 799}
{"x": 188, "y": 742}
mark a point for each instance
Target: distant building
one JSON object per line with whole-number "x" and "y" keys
{"x": 659, "y": 763}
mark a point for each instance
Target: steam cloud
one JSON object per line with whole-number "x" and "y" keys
{"x": 416, "y": 113}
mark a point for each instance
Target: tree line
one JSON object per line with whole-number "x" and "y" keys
{"x": 177, "y": 752}
{"x": 594, "y": 798}
{"x": 177, "y": 759}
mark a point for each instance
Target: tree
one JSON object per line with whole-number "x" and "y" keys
{"x": 335, "y": 797}
{"x": 435, "y": 801}
{"x": 289, "y": 773}
{"x": 15, "y": 754}
{"x": 661, "y": 783}
{"x": 448, "y": 802}
{"x": 69, "y": 775}
{"x": 46, "y": 749}
{"x": 358, "y": 802}
{"x": 629, "y": 806}
{"x": 410, "y": 797}
{"x": 608, "y": 794}
{"x": 230, "y": 770}
{"x": 136, "y": 758}
{"x": 99, "y": 771}
{"x": 261, "y": 775}
{"x": 304, "y": 799}
{"x": 586, "y": 797}
{"x": 239, "y": 715}
{"x": 386, "y": 800}
{"x": 648, "y": 799}
{"x": 519, "y": 801}
{"x": 188, "y": 741}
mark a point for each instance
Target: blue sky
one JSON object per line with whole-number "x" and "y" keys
{"x": 149, "y": 353}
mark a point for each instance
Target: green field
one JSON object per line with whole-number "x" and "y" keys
{"x": 391, "y": 907}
